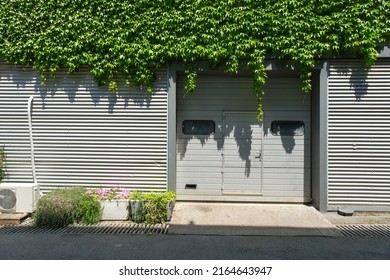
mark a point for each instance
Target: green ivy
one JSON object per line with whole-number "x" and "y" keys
{"x": 134, "y": 37}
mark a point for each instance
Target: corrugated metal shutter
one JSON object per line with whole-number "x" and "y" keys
{"x": 14, "y": 134}
{"x": 359, "y": 134}
{"x": 84, "y": 135}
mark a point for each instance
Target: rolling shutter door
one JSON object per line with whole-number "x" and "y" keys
{"x": 83, "y": 134}
{"x": 359, "y": 134}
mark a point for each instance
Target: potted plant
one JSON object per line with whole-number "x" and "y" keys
{"x": 114, "y": 201}
{"x": 170, "y": 198}
{"x": 152, "y": 207}
{"x": 136, "y": 206}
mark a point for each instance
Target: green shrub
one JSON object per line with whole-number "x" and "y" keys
{"x": 55, "y": 211}
{"x": 169, "y": 196}
{"x": 66, "y": 206}
{"x": 155, "y": 206}
{"x": 136, "y": 195}
{"x": 90, "y": 210}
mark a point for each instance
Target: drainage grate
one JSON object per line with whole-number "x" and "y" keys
{"x": 365, "y": 230}
{"x": 100, "y": 228}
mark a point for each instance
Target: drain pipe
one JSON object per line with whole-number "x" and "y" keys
{"x": 29, "y": 113}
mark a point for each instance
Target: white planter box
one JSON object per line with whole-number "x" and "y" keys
{"x": 115, "y": 210}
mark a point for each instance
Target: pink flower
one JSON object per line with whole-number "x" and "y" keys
{"x": 110, "y": 193}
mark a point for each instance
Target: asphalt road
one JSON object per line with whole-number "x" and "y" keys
{"x": 189, "y": 247}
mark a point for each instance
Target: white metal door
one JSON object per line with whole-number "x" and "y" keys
{"x": 242, "y": 166}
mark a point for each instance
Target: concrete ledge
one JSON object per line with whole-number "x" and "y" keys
{"x": 250, "y": 219}
{"x": 358, "y": 218}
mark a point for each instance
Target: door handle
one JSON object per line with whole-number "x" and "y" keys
{"x": 259, "y": 156}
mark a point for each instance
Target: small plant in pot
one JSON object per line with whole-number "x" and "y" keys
{"x": 170, "y": 198}
{"x": 152, "y": 207}
{"x": 136, "y": 206}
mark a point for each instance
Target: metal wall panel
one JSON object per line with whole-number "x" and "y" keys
{"x": 359, "y": 134}
{"x": 201, "y": 159}
{"x": 83, "y": 134}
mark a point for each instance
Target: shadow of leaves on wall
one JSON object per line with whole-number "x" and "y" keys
{"x": 357, "y": 75}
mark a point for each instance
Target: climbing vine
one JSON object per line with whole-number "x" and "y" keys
{"x": 134, "y": 37}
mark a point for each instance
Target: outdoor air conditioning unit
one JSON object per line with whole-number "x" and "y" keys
{"x": 18, "y": 197}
